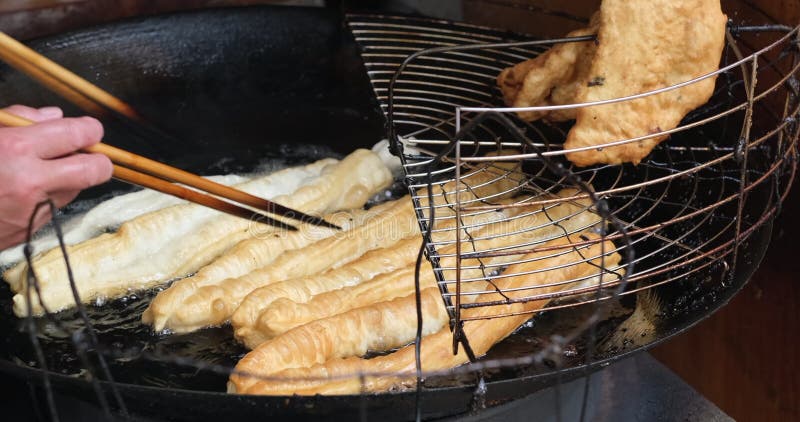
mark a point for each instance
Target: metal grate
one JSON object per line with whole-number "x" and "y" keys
{"x": 684, "y": 211}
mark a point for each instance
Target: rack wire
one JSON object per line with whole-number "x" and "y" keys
{"x": 685, "y": 210}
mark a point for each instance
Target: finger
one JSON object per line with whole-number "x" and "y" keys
{"x": 42, "y": 217}
{"x": 49, "y": 113}
{"x": 35, "y": 114}
{"x": 57, "y": 138}
{"x": 76, "y": 172}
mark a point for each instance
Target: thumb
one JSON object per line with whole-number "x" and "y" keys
{"x": 35, "y": 114}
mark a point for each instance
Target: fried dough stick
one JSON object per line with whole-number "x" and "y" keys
{"x": 372, "y": 264}
{"x": 546, "y": 269}
{"x": 108, "y": 215}
{"x": 301, "y": 289}
{"x": 555, "y": 77}
{"x": 177, "y": 241}
{"x": 151, "y": 248}
{"x": 213, "y": 304}
{"x": 249, "y": 254}
{"x": 569, "y": 215}
{"x": 377, "y": 327}
{"x": 284, "y": 314}
{"x": 189, "y": 305}
{"x": 281, "y": 313}
{"x": 245, "y": 257}
{"x": 644, "y": 45}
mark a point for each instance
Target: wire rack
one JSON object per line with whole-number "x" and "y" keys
{"x": 677, "y": 217}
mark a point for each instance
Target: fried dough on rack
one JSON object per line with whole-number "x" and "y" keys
{"x": 552, "y": 78}
{"x": 645, "y": 46}
{"x": 641, "y": 46}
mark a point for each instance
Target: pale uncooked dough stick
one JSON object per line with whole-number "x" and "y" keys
{"x": 436, "y": 349}
{"x": 167, "y": 244}
{"x": 148, "y": 249}
{"x": 105, "y": 216}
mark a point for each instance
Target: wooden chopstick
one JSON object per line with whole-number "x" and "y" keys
{"x": 173, "y": 174}
{"x": 28, "y": 61}
{"x": 79, "y": 91}
{"x": 150, "y": 182}
{"x": 52, "y": 84}
{"x": 103, "y": 105}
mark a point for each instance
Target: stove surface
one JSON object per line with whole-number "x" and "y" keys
{"x": 635, "y": 389}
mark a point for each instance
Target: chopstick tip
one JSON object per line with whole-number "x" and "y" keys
{"x": 324, "y": 223}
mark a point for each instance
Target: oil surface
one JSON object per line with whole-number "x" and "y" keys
{"x": 135, "y": 353}
{"x": 200, "y": 360}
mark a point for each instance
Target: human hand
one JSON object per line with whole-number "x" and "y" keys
{"x": 38, "y": 162}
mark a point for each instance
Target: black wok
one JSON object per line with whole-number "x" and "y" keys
{"x": 233, "y": 86}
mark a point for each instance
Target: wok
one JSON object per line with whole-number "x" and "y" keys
{"x": 233, "y": 86}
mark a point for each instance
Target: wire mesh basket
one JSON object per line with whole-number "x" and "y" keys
{"x": 680, "y": 216}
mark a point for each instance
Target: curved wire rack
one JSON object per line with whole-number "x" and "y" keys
{"x": 679, "y": 215}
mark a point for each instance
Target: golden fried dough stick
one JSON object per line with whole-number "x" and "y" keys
{"x": 544, "y": 269}
{"x": 484, "y": 183}
{"x": 646, "y": 45}
{"x": 555, "y": 77}
{"x": 247, "y": 256}
{"x": 214, "y": 304}
{"x": 373, "y": 263}
{"x": 378, "y": 327}
{"x": 283, "y": 315}
{"x": 189, "y": 306}
{"x": 301, "y": 289}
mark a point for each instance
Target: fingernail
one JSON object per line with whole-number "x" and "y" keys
{"x": 51, "y": 112}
